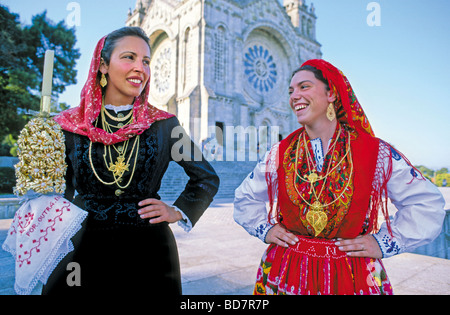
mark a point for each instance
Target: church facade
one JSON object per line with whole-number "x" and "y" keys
{"x": 224, "y": 63}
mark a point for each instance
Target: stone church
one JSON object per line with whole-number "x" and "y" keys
{"x": 226, "y": 63}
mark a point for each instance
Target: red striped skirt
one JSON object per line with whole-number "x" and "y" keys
{"x": 317, "y": 266}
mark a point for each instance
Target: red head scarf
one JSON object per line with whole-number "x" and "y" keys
{"x": 80, "y": 119}
{"x": 346, "y": 101}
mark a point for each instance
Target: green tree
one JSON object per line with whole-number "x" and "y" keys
{"x": 13, "y": 75}
{"x": 440, "y": 179}
{"x": 44, "y": 35}
{"x": 22, "y": 51}
{"x": 443, "y": 170}
{"x": 427, "y": 172}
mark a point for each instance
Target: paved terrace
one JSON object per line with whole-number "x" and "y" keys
{"x": 219, "y": 257}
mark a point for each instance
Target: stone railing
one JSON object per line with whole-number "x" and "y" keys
{"x": 8, "y": 207}
{"x": 440, "y": 246}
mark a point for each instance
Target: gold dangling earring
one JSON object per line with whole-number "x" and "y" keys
{"x": 103, "y": 81}
{"x": 331, "y": 114}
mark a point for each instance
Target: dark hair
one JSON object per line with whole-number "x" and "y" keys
{"x": 113, "y": 37}
{"x": 317, "y": 73}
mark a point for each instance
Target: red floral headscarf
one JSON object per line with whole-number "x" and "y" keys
{"x": 80, "y": 119}
{"x": 353, "y": 114}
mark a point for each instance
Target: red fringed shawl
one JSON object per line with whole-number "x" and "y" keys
{"x": 356, "y": 211}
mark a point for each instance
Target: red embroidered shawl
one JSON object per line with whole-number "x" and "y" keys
{"x": 355, "y": 196}
{"x": 80, "y": 119}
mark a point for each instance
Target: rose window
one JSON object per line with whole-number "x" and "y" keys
{"x": 260, "y": 68}
{"x": 161, "y": 72}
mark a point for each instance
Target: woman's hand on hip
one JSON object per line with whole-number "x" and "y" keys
{"x": 158, "y": 211}
{"x": 361, "y": 246}
{"x": 280, "y": 236}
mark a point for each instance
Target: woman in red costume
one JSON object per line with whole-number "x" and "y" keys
{"x": 326, "y": 185}
{"x": 118, "y": 148}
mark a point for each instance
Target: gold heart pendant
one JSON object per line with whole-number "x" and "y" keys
{"x": 318, "y": 220}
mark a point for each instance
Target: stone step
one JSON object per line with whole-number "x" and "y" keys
{"x": 8, "y": 207}
{"x": 231, "y": 175}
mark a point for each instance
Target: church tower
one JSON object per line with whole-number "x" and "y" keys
{"x": 226, "y": 63}
{"x": 302, "y": 17}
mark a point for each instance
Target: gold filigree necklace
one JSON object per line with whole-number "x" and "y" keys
{"x": 316, "y": 215}
{"x": 313, "y": 177}
{"x": 122, "y": 164}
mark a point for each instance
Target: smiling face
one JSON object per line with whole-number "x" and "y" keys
{"x": 128, "y": 70}
{"x": 309, "y": 99}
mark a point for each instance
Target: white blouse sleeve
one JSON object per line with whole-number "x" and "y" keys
{"x": 420, "y": 214}
{"x": 184, "y": 223}
{"x": 251, "y": 201}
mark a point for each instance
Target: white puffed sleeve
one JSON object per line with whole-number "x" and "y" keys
{"x": 420, "y": 206}
{"x": 251, "y": 201}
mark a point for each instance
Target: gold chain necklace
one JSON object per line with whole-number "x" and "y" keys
{"x": 313, "y": 177}
{"x": 119, "y": 164}
{"x": 119, "y": 118}
{"x": 119, "y": 167}
{"x": 316, "y": 215}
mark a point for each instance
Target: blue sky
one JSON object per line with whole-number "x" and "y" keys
{"x": 400, "y": 70}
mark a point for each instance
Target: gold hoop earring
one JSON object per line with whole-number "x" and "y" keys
{"x": 331, "y": 114}
{"x": 103, "y": 81}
